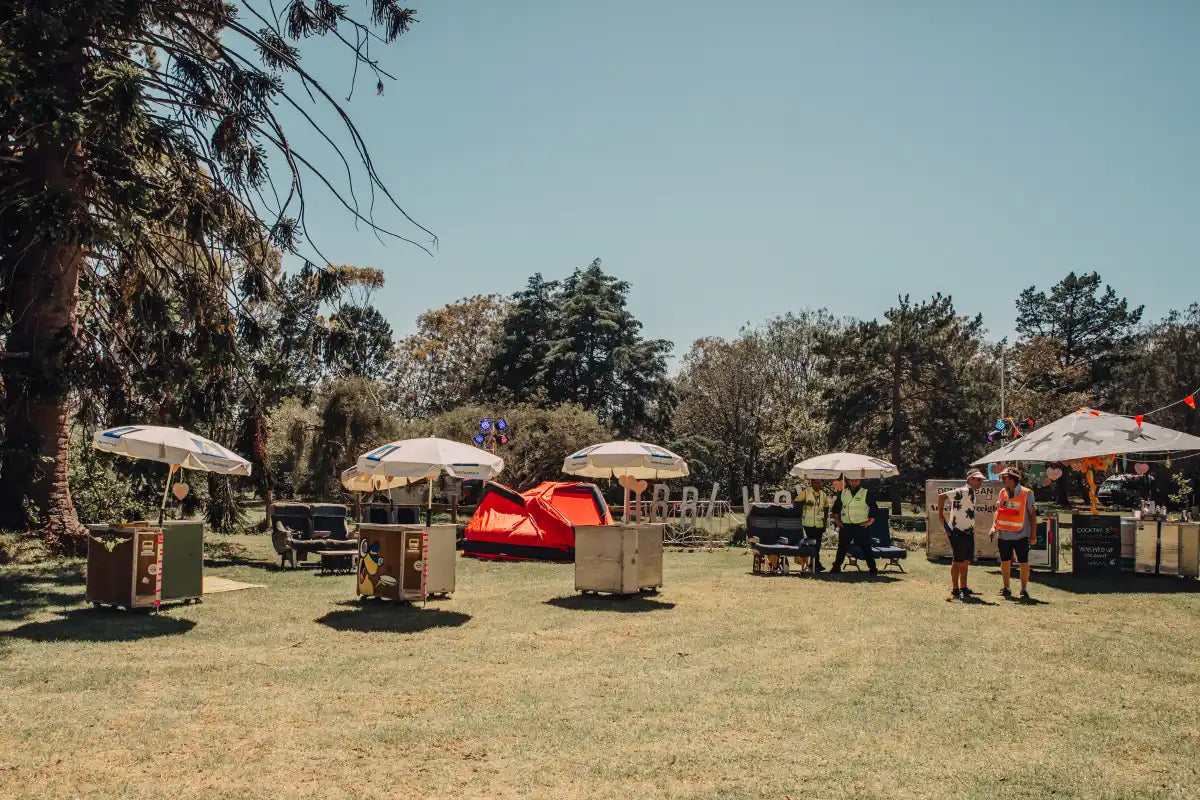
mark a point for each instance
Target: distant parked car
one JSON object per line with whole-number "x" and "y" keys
{"x": 1126, "y": 491}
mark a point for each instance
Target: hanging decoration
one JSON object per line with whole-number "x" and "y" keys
{"x": 1141, "y": 468}
{"x": 1009, "y": 428}
{"x": 1088, "y": 466}
{"x": 1189, "y": 401}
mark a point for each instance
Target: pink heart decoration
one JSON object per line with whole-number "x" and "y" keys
{"x": 1141, "y": 469}
{"x": 1054, "y": 473}
{"x": 180, "y": 490}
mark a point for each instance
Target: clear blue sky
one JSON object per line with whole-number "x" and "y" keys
{"x": 735, "y": 161}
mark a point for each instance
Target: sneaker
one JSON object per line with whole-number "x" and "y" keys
{"x": 1024, "y": 594}
{"x": 1005, "y": 592}
{"x": 835, "y": 571}
{"x": 966, "y": 591}
{"x": 820, "y": 568}
{"x": 954, "y": 595}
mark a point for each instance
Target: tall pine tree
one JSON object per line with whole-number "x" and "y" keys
{"x": 577, "y": 342}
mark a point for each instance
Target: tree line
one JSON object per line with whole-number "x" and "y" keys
{"x": 565, "y": 362}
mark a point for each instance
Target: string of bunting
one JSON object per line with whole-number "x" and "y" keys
{"x": 1189, "y": 401}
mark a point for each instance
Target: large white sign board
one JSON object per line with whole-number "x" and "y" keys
{"x": 936, "y": 543}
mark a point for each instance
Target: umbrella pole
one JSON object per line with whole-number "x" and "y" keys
{"x": 162, "y": 509}
{"x": 429, "y": 507}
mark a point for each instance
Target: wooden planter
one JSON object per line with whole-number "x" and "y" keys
{"x": 618, "y": 559}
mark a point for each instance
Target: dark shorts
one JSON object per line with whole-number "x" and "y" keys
{"x": 1018, "y": 546}
{"x": 962, "y": 543}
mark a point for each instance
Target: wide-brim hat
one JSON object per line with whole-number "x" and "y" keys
{"x": 976, "y": 474}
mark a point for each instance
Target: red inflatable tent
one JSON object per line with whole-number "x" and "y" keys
{"x": 537, "y": 524}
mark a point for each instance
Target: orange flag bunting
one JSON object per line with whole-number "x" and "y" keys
{"x": 1190, "y": 400}
{"x": 1138, "y": 419}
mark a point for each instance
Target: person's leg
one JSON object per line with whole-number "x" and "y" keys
{"x": 956, "y": 565}
{"x": 1005, "y": 562}
{"x": 1023, "y": 560}
{"x": 818, "y": 534}
{"x": 843, "y": 542}
{"x": 863, "y": 537}
{"x": 967, "y": 557}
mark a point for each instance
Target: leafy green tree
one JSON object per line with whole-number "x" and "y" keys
{"x": 760, "y": 396}
{"x": 122, "y": 123}
{"x": 519, "y": 361}
{"x": 353, "y": 420}
{"x": 359, "y": 343}
{"x": 903, "y": 388}
{"x": 576, "y": 342}
{"x": 440, "y": 365}
{"x": 724, "y": 389}
{"x": 1093, "y": 333}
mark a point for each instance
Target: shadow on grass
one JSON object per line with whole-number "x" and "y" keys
{"x": 610, "y": 602}
{"x": 102, "y": 625}
{"x": 24, "y": 592}
{"x": 1122, "y": 583}
{"x": 390, "y": 617}
{"x": 857, "y": 576}
{"x": 976, "y": 600}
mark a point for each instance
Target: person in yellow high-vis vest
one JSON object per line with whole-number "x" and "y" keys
{"x": 1016, "y": 525}
{"x": 854, "y": 511}
{"x": 814, "y": 514}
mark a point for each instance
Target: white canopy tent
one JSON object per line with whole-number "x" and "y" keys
{"x": 1087, "y": 433}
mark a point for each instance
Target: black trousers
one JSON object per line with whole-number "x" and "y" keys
{"x": 857, "y": 534}
{"x": 817, "y": 533}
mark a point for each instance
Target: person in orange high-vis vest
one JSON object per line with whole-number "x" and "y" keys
{"x": 1016, "y": 525}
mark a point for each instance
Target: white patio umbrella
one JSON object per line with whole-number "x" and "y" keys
{"x": 832, "y": 466}
{"x": 173, "y": 446}
{"x": 412, "y": 460}
{"x": 619, "y": 459}
{"x": 1087, "y": 433}
{"x": 616, "y": 459}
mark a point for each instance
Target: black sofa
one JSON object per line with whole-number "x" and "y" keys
{"x": 776, "y": 529}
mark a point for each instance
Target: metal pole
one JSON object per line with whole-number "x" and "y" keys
{"x": 1003, "y": 370}
{"x": 162, "y": 509}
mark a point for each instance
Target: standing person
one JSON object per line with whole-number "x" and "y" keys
{"x": 814, "y": 516}
{"x": 853, "y": 513}
{"x": 960, "y": 530}
{"x": 1016, "y": 524}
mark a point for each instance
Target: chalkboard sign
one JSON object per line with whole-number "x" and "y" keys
{"x": 1095, "y": 544}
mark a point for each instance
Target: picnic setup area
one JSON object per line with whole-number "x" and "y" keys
{"x": 731, "y": 684}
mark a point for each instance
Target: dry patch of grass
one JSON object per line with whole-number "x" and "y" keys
{"x": 725, "y": 685}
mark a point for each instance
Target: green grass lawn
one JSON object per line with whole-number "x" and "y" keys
{"x": 726, "y": 685}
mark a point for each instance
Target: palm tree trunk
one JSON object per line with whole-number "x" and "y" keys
{"x": 34, "y": 486}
